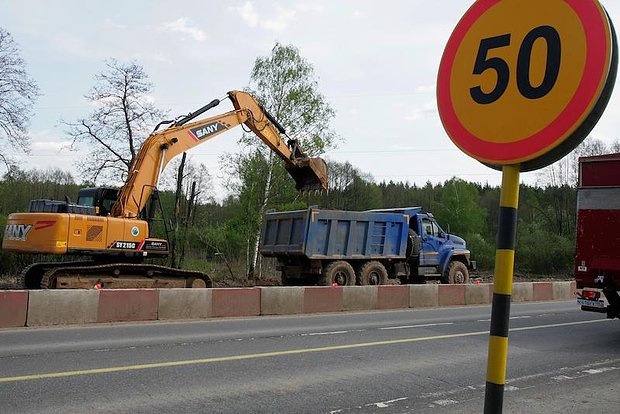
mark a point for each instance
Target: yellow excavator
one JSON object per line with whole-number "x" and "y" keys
{"x": 112, "y": 227}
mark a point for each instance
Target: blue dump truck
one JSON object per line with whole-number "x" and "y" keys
{"x": 324, "y": 247}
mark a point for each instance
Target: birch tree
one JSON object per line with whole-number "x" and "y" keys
{"x": 286, "y": 85}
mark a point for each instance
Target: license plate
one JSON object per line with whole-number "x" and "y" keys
{"x": 591, "y": 303}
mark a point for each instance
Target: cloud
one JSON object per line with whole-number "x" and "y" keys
{"x": 425, "y": 111}
{"x": 183, "y": 25}
{"x": 279, "y": 21}
{"x": 47, "y": 141}
{"x": 111, "y": 24}
{"x": 248, "y": 14}
{"x": 426, "y": 88}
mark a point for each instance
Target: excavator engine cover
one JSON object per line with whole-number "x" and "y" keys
{"x": 310, "y": 174}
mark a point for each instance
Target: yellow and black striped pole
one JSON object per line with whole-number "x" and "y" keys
{"x": 502, "y": 290}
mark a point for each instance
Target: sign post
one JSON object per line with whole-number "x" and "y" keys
{"x": 521, "y": 83}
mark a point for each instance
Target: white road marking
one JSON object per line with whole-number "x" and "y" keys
{"x": 588, "y": 369}
{"x": 386, "y": 404}
{"x": 426, "y": 325}
{"x": 445, "y": 403}
{"x": 513, "y": 317}
{"x": 600, "y": 370}
{"x": 563, "y": 378}
{"x": 325, "y": 333}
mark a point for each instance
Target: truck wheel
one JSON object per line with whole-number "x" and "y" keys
{"x": 373, "y": 273}
{"x": 457, "y": 273}
{"x": 339, "y": 272}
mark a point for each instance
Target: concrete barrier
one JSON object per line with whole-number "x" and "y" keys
{"x": 62, "y": 307}
{"x": 13, "y": 308}
{"x": 229, "y": 302}
{"x": 542, "y": 291}
{"x": 282, "y": 300}
{"x": 423, "y": 296}
{"x": 477, "y": 294}
{"x": 393, "y": 297}
{"x": 522, "y": 292}
{"x": 451, "y": 295}
{"x": 185, "y": 304}
{"x": 359, "y": 298}
{"x": 563, "y": 291}
{"x": 323, "y": 299}
{"x": 116, "y": 305}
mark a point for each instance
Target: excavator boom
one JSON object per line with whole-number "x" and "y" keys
{"x": 162, "y": 146}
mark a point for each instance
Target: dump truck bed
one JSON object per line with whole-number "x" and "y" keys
{"x": 334, "y": 234}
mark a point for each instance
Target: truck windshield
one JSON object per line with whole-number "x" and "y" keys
{"x": 431, "y": 228}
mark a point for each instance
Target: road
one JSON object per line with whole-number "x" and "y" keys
{"x": 411, "y": 361}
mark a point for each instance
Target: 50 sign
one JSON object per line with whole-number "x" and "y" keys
{"x": 500, "y": 66}
{"x": 524, "y": 81}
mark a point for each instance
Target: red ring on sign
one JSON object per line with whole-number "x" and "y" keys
{"x": 550, "y": 136}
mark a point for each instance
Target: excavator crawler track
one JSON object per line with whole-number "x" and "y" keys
{"x": 86, "y": 275}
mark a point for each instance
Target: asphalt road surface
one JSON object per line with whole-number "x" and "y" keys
{"x": 561, "y": 360}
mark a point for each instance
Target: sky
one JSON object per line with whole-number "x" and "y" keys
{"x": 375, "y": 62}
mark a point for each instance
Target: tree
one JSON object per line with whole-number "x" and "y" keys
{"x": 565, "y": 171}
{"x": 285, "y": 84}
{"x": 351, "y": 189}
{"x": 123, "y": 118}
{"x": 460, "y": 209}
{"x": 187, "y": 178}
{"x": 18, "y": 93}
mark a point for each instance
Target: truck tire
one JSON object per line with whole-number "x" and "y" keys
{"x": 457, "y": 273}
{"x": 414, "y": 244}
{"x": 339, "y": 272}
{"x": 373, "y": 273}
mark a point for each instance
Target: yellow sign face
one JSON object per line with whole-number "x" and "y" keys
{"x": 519, "y": 78}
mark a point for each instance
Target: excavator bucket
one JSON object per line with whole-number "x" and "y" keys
{"x": 310, "y": 174}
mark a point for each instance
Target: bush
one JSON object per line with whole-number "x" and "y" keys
{"x": 482, "y": 251}
{"x": 542, "y": 252}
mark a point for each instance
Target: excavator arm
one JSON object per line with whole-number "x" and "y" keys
{"x": 162, "y": 146}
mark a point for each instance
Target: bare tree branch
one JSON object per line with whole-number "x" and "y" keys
{"x": 18, "y": 92}
{"x": 122, "y": 119}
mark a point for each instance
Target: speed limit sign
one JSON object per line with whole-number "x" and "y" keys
{"x": 524, "y": 81}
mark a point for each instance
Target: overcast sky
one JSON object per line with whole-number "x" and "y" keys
{"x": 376, "y": 63}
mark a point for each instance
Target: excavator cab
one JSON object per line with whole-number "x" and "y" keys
{"x": 101, "y": 198}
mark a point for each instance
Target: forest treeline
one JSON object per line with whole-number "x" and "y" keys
{"x": 218, "y": 237}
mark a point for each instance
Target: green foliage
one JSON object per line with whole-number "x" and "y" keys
{"x": 540, "y": 251}
{"x": 482, "y": 250}
{"x": 219, "y": 236}
{"x": 351, "y": 189}
{"x": 222, "y": 239}
{"x": 285, "y": 84}
{"x": 459, "y": 208}
{"x": 18, "y": 187}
